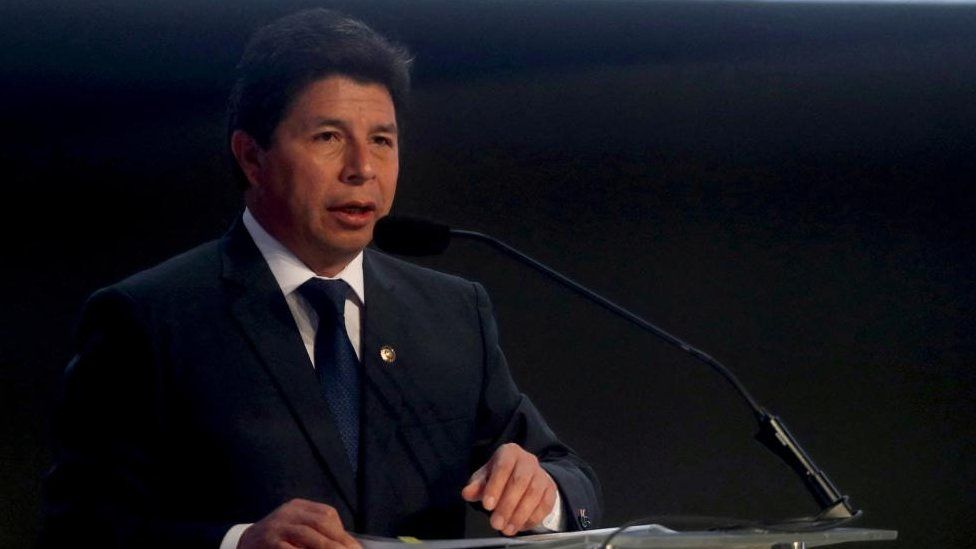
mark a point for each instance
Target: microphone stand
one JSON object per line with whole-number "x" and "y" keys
{"x": 772, "y": 431}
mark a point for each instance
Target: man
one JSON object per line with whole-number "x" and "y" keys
{"x": 283, "y": 386}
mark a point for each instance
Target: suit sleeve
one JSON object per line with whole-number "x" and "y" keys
{"x": 506, "y": 415}
{"x": 106, "y": 485}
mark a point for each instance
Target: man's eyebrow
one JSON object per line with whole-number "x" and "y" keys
{"x": 379, "y": 128}
{"x": 319, "y": 122}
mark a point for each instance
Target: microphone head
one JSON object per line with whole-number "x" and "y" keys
{"x": 404, "y": 235}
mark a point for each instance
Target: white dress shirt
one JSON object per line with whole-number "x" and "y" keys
{"x": 290, "y": 273}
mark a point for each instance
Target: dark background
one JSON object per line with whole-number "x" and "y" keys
{"x": 787, "y": 186}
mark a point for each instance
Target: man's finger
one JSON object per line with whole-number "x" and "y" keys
{"x": 525, "y": 470}
{"x": 545, "y": 507}
{"x": 299, "y": 523}
{"x": 285, "y": 544}
{"x": 500, "y": 469}
{"x": 474, "y": 490}
{"x": 301, "y": 535}
{"x": 480, "y": 475}
{"x": 528, "y": 505}
{"x": 324, "y": 520}
{"x": 329, "y": 525}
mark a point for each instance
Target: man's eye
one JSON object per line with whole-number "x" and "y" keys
{"x": 383, "y": 140}
{"x": 326, "y": 136}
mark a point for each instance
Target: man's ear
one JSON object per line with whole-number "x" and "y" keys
{"x": 249, "y": 155}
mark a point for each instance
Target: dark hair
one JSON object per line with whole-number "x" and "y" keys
{"x": 285, "y": 56}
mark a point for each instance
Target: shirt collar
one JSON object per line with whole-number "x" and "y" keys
{"x": 289, "y": 271}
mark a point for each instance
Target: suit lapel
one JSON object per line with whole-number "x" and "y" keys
{"x": 383, "y": 331}
{"x": 382, "y": 389}
{"x": 259, "y": 306}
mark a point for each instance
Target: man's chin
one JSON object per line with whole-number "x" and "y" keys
{"x": 344, "y": 251}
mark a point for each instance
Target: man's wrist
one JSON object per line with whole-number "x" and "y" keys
{"x": 555, "y": 521}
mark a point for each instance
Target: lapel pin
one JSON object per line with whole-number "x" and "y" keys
{"x": 387, "y": 354}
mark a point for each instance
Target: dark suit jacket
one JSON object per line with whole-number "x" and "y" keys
{"x": 191, "y": 405}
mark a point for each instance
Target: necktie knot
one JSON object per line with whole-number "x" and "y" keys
{"x": 326, "y": 295}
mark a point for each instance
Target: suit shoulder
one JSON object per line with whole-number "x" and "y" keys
{"x": 422, "y": 285}
{"x": 196, "y": 268}
{"x": 415, "y": 275}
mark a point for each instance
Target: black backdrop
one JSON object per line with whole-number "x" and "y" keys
{"x": 786, "y": 185}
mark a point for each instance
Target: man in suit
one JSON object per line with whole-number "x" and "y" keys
{"x": 283, "y": 386}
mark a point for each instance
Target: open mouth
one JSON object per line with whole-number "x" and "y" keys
{"x": 353, "y": 208}
{"x": 353, "y": 215}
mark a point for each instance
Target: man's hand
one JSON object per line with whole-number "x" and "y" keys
{"x": 299, "y": 523}
{"x": 518, "y": 491}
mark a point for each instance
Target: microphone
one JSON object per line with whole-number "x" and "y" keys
{"x": 413, "y": 236}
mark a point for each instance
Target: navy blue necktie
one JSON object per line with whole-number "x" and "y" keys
{"x": 336, "y": 364}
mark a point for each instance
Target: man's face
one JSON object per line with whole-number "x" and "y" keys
{"x": 329, "y": 172}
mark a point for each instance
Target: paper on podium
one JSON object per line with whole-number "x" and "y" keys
{"x": 595, "y": 536}
{"x": 553, "y": 540}
{"x": 371, "y": 542}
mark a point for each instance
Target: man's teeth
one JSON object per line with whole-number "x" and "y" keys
{"x": 353, "y": 209}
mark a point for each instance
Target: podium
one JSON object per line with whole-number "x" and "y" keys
{"x": 649, "y": 537}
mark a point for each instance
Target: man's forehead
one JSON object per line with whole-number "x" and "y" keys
{"x": 342, "y": 99}
{"x": 339, "y": 87}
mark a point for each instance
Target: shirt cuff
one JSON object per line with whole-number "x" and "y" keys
{"x": 233, "y": 536}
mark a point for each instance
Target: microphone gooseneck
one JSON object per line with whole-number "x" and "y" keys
{"x": 416, "y": 237}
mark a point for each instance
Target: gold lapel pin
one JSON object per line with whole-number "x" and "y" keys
{"x": 387, "y": 354}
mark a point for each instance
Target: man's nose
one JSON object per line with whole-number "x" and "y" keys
{"x": 357, "y": 167}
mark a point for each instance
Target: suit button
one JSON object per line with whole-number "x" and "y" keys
{"x": 387, "y": 354}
